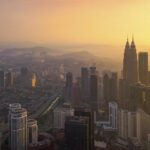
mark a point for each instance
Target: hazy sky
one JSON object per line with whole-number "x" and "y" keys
{"x": 75, "y": 21}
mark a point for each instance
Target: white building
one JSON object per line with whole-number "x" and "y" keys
{"x": 134, "y": 125}
{"x": 123, "y": 123}
{"x": 18, "y": 129}
{"x": 112, "y": 123}
{"x": 60, "y": 115}
{"x": 113, "y": 115}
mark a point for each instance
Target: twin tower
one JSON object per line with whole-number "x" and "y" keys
{"x": 130, "y": 67}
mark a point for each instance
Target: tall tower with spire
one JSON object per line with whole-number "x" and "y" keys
{"x": 130, "y": 72}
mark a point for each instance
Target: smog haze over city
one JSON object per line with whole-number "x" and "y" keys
{"x": 74, "y": 75}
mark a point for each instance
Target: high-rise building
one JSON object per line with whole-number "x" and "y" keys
{"x": 93, "y": 69}
{"x": 68, "y": 87}
{"x": 76, "y": 94}
{"x": 24, "y": 71}
{"x": 12, "y": 107}
{"x": 130, "y": 72}
{"x": 114, "y": 86}
{"x": 122, "y": 94}
{"x": 106, "y": 87}
{"x": 123, "y": 123}
{"x": 2, "y": 79}
{"x": 32, "y": 131}
{"x": 60, "y": 114}
{"x": 113, "y": 115}
{"x": 9, "y": 79}
{"x": 18, "y": 129}
{"x": 77, "y": 133}
{"x": 110, "y": 88}
{"x": 0, "y": 140}
{"x": 84, "y": 84}
{"x": 34, "y": 80}
{"x": 143, "y": 67}
{"x": 85, "y": 112}
{"x": 94, "y": 91}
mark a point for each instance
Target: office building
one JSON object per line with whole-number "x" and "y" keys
{"x": 143, "y": 67}
{"x": 113, "y": 115}
{"x": 32, "y": 131}
{"x": 123, "y": 123}
{"x": 60, "y": 114}
{"x": 85, "y": 112}
{"x": 110, "y": 87}
{"x": 9, "y": 79}
{"x": 68, "y": 87}
{"x": 77, "y": 133}
{"x": 18, "y": 129}
{"x": 2, "y": 79}
{"x": 85, "y": 84}
{"x": 94, "y": 91}
{"x": 76, "y": 94}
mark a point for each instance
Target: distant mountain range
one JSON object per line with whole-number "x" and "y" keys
{"x": 80, "y": 57}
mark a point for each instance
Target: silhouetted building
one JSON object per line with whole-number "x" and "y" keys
{"x": 77, "y": 133}
{"x": 2, "y": 79}
{"x": 93, "y": 70}
{"x": 123, "y": 99}
{"x": 76, "y": 94}
{"x": 130, "y": 72}
{"x": 24, "y": 71}
{"x": 85, "y": 112}
{"x": 68, "y": 87}
{"x": 138, "y": 96}
{"x": 143, "y": 67}
{"x": 9, "y": 79}
{"x": 94, "y": 91}
{"x": 110, "y": 87}
{"x": 106, "y": 87}
{"x": 85, "y": 84}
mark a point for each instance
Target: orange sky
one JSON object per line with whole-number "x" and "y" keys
{"x": 75, "y": 21}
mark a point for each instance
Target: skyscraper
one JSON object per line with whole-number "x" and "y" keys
{"x": 76, "y": 93}
{"x": 60, "y": 114}
{"x": 113, "y": 114}
{"x": 84, "y": 84}
{"x": 85, "y": 112}
{"x": 110, "y": 87}
{"x": 106, "y": 87}
{"x": 68, "y": 87}
{"x": 94, "y": 91}
{"x": 9, "y": 79}
{"x": 143, "y": 67}
{"x": 18, "y": 129}
{"x": 2, "y": 79}
{"x": 77, "y": 133}
{"x": 114, "y": 86}
{"x": 130, "y": 72}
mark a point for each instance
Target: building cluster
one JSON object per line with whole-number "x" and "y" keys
{"x": 22, "y": 130}
{"x": 120, "y": 105}
{"x": 101, "y": 110}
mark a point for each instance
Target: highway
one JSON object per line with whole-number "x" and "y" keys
{"x": 46, "y": 107}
